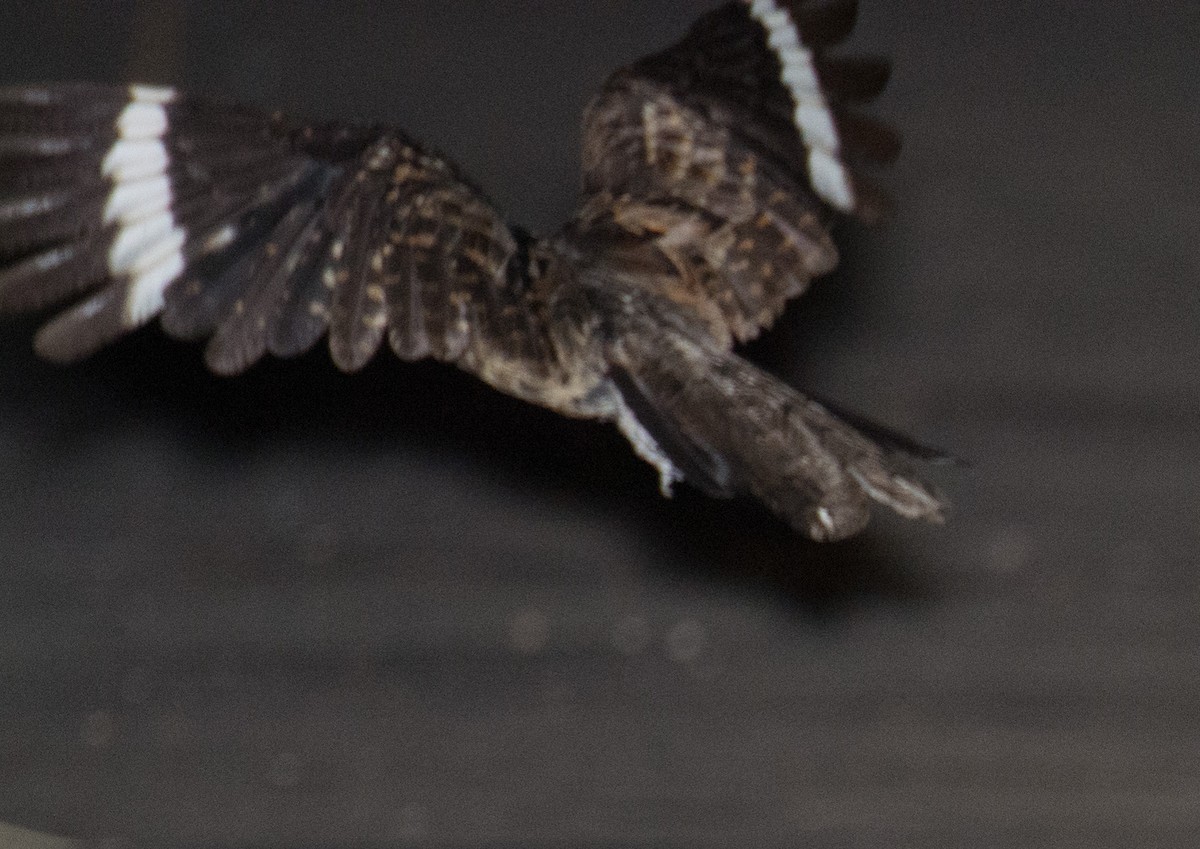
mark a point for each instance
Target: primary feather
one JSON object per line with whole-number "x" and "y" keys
{"x": 712, "y": 172}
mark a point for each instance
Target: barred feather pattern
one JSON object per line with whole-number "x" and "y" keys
{"x": 763, "y": 69}
{"x": 712, "y": 172}
{"x": 241, "y": 228}
{"x": 746, "y": 130}
{"x": 738, "y": 429}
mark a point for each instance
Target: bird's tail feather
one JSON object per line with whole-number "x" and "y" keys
{"x": 714, "y": 419}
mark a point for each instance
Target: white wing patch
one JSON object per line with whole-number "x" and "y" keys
{"x": 812, "y": 115}
{"x": 148, "y": 247}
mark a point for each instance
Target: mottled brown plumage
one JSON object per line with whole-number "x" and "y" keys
{"x": 711, "y": 174}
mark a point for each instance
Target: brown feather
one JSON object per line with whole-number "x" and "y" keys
{"x": 816, "y": 471}
{"x": 242, "y": 332}
{"x": 706, "y": 206}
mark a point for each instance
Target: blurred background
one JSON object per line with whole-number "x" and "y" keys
{"x": 397, "y": 609}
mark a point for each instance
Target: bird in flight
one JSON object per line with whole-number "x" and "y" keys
{"x": 712, "y": 174}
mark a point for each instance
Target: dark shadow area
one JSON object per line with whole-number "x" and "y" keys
{"x": 435, "y": 409}
{"x": 740, "y": 544}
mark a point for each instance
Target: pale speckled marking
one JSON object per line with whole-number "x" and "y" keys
{"x": 650, "y": 132}
{"x": 685, "y": 146}
{"x": 147, "y": 249}
{"x": 811, "y": 114}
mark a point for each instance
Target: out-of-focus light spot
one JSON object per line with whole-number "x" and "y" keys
{"x": 99, "y": 729}
{"x": 528, "y": 631}
{"x": 686, "y": 641}
{"x": 1010, "y": 551}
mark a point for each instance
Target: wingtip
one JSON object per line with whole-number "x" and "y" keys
{"x": 82, "y": 330}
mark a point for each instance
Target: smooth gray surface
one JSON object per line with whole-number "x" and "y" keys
{"x": 306, "y": 610}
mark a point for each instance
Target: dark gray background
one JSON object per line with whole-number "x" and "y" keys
{"x": 305, "y": 610}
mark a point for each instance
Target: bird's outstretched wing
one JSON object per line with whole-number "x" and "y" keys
{"x": 257, "y": 233}
{"x": 711, "y": 173}
{"x": 734, "y": 147}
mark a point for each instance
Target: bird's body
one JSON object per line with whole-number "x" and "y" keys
{"x": 712, "y": 173}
